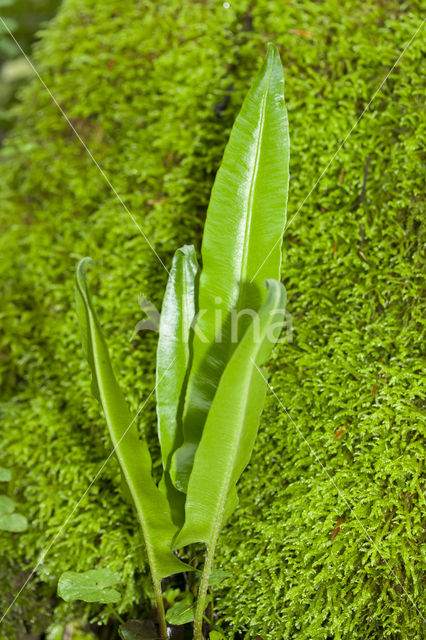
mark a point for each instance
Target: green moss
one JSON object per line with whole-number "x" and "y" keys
{"x": 147, "y": 85}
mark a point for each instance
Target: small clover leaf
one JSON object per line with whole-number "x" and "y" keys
{"x": 91, "y": 586}
{"x": 13, "y": 522}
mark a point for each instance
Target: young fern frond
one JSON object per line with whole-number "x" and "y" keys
{"x": 229, "y": 434}
{"x": 173, "y": 357}
{"x": 210, "y": 387}
{"x": 241, "y": 243}
{"x": 132, "y": 452}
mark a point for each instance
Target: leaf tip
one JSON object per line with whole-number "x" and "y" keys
{"x": 272, "y": 53}
{"x": 82, "y": 264}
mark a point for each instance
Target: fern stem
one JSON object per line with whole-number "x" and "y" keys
{"x": 202, "y": 593}
{"x": 160, "y": 608}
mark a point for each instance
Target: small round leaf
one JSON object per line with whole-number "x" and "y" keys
{"x": 13, "y": 522}
{"x": 7, "y": 505}
{"x": 90, "y": 586}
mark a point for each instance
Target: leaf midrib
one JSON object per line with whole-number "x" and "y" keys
{"x": 228, "y": 474}
{"x": 247, "y": 229}
{"x": 185, "y": 304}
{"x": 211, "y": 543}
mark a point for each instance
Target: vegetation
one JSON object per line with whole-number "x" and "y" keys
{"x": 153, "y": 89}
{"x": 210, "y": 380}
{"x": 23, "y": 19}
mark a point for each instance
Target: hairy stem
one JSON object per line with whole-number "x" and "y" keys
{"x": 202, "y": 593}
{"x": 160, "y": 608}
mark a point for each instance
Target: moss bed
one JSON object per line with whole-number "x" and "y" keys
{"x": 326, "y": 541}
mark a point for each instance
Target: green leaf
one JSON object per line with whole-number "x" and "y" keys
{"x": 138, "y": 630}
{"x": 217, "y": 576}
{"x": 177, "y": 314}
{"x": 91, "y": 586}
{"x": 5, "y": 474}
{"x": 7, "y": 505}
{"x": 9, "y": 520}
{"x": 173, "y": 354}
{"x": 182, "y": 611}
{"x": 13, "y": 522}
{"x": 216, "y": 635}
{"x": 231, "y": 427}
{"x": 241, "y": 243}
{"x": 132, "y": 452}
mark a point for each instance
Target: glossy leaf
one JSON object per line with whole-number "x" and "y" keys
{"x": 231, "y": 427}
{"x": 132, "y": 452}
{"x": 241, "y": 242}
{"x": 90, "y": 586}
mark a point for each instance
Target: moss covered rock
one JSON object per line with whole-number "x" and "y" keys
{"x": 326, "y": 541}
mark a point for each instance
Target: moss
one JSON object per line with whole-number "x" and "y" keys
{"x": 153, "y": 89}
